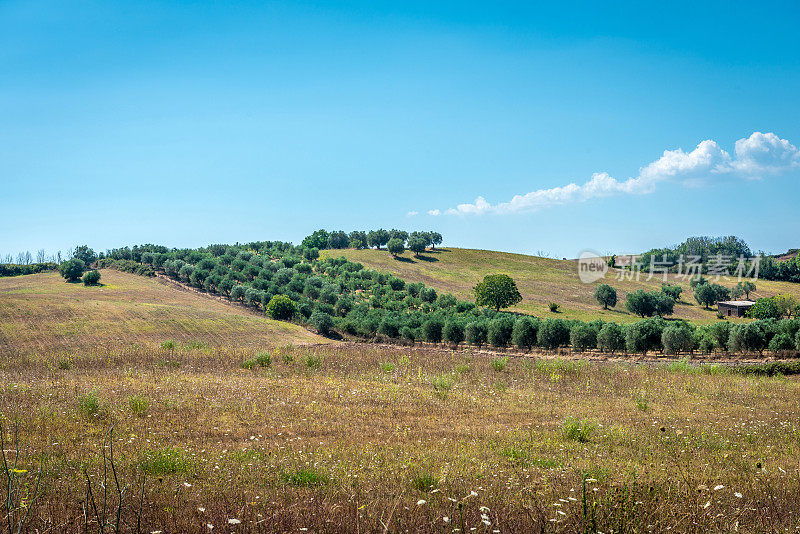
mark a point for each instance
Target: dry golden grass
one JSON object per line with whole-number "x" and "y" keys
{"x": 42, "y": 312}
{"x": 350, "y": 438}
{"x": 540, "y": 281}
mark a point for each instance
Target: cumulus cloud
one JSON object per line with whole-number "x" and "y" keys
{"x": 412, "y": 213}
{"x": 753, "y": 157}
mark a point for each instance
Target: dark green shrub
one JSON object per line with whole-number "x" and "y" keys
{"x": 781, "y": 343}
{"x": 611, "y": 338}
{"x": 72, "y": 270}
{"x": 476, "y": 333}
{"x": 388, "y": 328}
{"x": 500, "y": 330}
{"x": 432, "y": 330}
{"x": 553, "y": 333}
{"x": 453, "y": 333}
{"x": 91, "y": 278}
{"x": 676, "y": 339}
{"x": 322, "y": 322}
{"x": 524, "y": 333}
{"x": 582, "y": 337}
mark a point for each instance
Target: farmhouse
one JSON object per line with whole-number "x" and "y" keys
{"x": 734, "y": 308}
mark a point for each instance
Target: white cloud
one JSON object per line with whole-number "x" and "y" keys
{"x": 412, "y": 213}
{"x": 758, "y": 155}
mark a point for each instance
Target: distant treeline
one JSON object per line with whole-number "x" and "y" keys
{"x": 13, "y": 269}
{"x": 707, "y": 251}
{"x": 337, "y": 239}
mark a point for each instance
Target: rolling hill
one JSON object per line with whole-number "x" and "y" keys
{"x": 540, "y": 281}
{"x": 42, "y": 312}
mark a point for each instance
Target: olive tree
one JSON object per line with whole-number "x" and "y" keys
{"x": 606, "y": 295}
{"x": 497, "y": 291}
{"x": 396, "y": 247}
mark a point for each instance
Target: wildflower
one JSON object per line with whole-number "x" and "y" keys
{"x": 737, "y": 495}
{"x": 187, "y": 485}
{"x": 210, "y": 526}
{"x": 484, "y": 509}
{"x": 421, "y": 502}
{"x": 591, "y": 480}
{"x": 718, "y": 487}
{"x": 233, "y": 521}
{"x": 702, "y": 487}
{"x": 446, "y": 519}
{"x": 706, "y": 505}
{"x": 201, "y": 509}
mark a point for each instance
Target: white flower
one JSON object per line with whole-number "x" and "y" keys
{"x": 591, "y": 480}
{"x": 233, "y": 521}
{"x": 186, "y": 484}
{"x": 446, "y": 519}
{"x": 484, "y": 509}
{"x": 737, "y": 495}
{"x": 718, "y": 487}
{"x": 210, "y": 526}
{"x": 421, "y": 502}
{"x": 706, "y": 505}
{"x": 201, "y": 509}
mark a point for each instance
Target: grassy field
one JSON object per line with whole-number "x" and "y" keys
{"x": 42, "y": 312}
{"x": 540, "y": 281}
{"x": 107, "y": 430}
{"x": 344, "y": 438}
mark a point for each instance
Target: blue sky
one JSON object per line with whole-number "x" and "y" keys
{"x": 194, "y": 123}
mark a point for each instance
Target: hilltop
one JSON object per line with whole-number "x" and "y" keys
{"x": 42, "y": 312}
{"x": 540, "y": 281}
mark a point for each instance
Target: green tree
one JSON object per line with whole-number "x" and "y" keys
{"x": 476, "y": 333}
{"x": 72, "y": 270}
{"x": 676, "y": 339}
{"x": 500, "y": 331}
{"x": 91, "y": 278}
{"x": 582, "y": 337}
{"x": 497, "y": 291}
{"x": 781, "y": 343}
{"x": 435, "y": 239}
{"x": 705, "y": 294}
{"x": 338, "y": 239}
{"x": 553, "y": 333}
{"x": 453, "y": 333}
{"x": 398, "y": 234}
{"x": 664, "y": 304}
{"x": 524, "y": 334}
{"x": 432, "y": 330}
{"x": 416, "y": 245}
{"x": 281, "y": 307}
{"x": 611, "y": 338}
{"x": 378, "y": 238}
{"x": 85, "y": 254}
{"x": 641, "y": 303}
{"x": 237, "y": 292}
{"x": 396, "y": 247}
{"x": 322, "y": 322}
{"x": 606, "y": 295}
{"x": 673, "y": 291}
{"x": 310, "y": 254}
{"x": 318, "y": 240}
{"x": 764, "y": 308}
